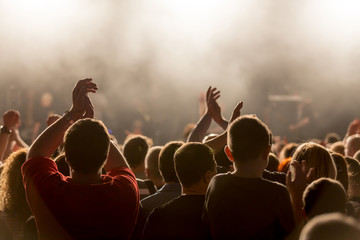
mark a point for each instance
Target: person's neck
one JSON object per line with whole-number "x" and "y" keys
{"x": 248, "y": 170}
{"x": 158, "y": 182}
{"x": 194, "y": 190}
{"x": 82, "y": 178}
{"x": 139, "y": 171}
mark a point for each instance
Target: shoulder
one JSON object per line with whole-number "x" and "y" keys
{"x": 278, "y": 189}
{"x": 39, "y": 163}
{"x": 222, "y": 177}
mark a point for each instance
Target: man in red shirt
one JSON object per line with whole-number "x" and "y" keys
{"x": 86, "y": 205}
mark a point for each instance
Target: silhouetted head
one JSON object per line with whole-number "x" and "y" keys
{"x": 166, "y": 161}
{"x": 194, "y": 162}
{"x": 86, "y": 145}
{"x": 248, "y": 138}
{"x": 324, "y": 195}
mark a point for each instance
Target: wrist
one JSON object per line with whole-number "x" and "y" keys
{"x": 4, "y": 129}
{"x": 71, "y": 116}
{"x": 74, "y": 115}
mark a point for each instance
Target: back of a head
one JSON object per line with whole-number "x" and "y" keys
{"x": 353, "y": 166}
{"x": 273, "y": 163}
{"x": 316, "y": 157}
{"x": 352, "y": 145}
{"x": 324, "y": 195}
{"x": 86, "y": 145}
{"x": 166, "y": 161}
{"x": 288, "y": 151}
{"x": 152, "y": 160}
{"x": 354, "y": 176}
{"x": 62, "y": 165}
{"x": 248, "y": 137}
{"x": 341, "y": 169}
{"x": 338, "y": 147}
{"x": 357, "y": 155}
{"x": 135, "y": 149}
{"x": 331, "y": 138}
{"x": 333, "y": 226}
{"x": 192, "y": 161}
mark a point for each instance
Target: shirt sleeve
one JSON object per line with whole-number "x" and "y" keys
{"x": 38, "y": 169}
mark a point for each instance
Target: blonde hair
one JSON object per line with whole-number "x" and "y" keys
{"x": 316, "y": 157}
{"x": 12, "y": 192}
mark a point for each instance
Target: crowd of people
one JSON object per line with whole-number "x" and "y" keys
{"x": 76, "y": 181}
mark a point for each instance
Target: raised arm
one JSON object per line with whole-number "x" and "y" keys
{"x": 11, "y": 120}
{"x": 115, "y": 159}
{"x": 202, "y": 126}
{"x": 297, "y": 179}
{"x": 52, "y": 137}
{"x": 218, "y": 143}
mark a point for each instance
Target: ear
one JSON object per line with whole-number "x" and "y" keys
{"x": 266, "y": 153}
{"x": 228, "y": 153}
{"x": 147, "y": 172}
{"x": 208, "y": 176}
{"x": 304, "y": 214}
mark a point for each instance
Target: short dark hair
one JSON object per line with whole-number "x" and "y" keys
{"x": 166, "y": 161}
{"x": 332, "y": 138}
{"x": 62, "y": 165}
{"x": 248, "y": 137}
{"x": 324, "y": 195}
{"x": 341, "y": 168}
{"x": 192, "y": 161}
{"x": 86, "y": 145}
{"x": 135, "y": 149}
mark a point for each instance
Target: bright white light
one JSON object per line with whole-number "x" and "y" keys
{"x": 200, "y": 18}
{"x": 337, "y": 20}
{"x": 37, "y": 15}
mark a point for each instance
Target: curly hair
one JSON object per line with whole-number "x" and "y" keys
{"x": 12, "y": 192}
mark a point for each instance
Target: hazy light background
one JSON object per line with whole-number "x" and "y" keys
{"x": 152, "y": 59}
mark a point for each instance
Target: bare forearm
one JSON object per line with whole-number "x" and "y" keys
{"x": 50, "y": 139}
{"x": 297, "y": 210}
{"x": 222, "y": 123}
{"x": 218, "y": 143}
{"x": 199, "y": 131}
{"x": 115, "y": 158}
{"x": 21, "y": 143}
{"x": 4, "y": 139}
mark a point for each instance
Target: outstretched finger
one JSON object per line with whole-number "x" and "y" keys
{"x": 208, "y": 93}
{"x": 236, "y": 111}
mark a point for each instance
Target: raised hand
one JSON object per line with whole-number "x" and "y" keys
{"x": 213, "y": 107}
{"x": 80, "y": 98}
{"x": 236, "y": 112}
{"x": 11, "y": 119}
{"x": 353, "y": 128}
{"x": 298, "y": 177}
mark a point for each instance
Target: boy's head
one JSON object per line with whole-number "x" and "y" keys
{"x": 248, "y": 138}
{"x": 135, "y": 149}
{"x": 166, "y": 161}
{"x": 194, "y": 162}
{"x": 86, "y": 145}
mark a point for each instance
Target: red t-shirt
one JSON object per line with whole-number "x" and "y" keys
{"x": 66, "y": 210}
